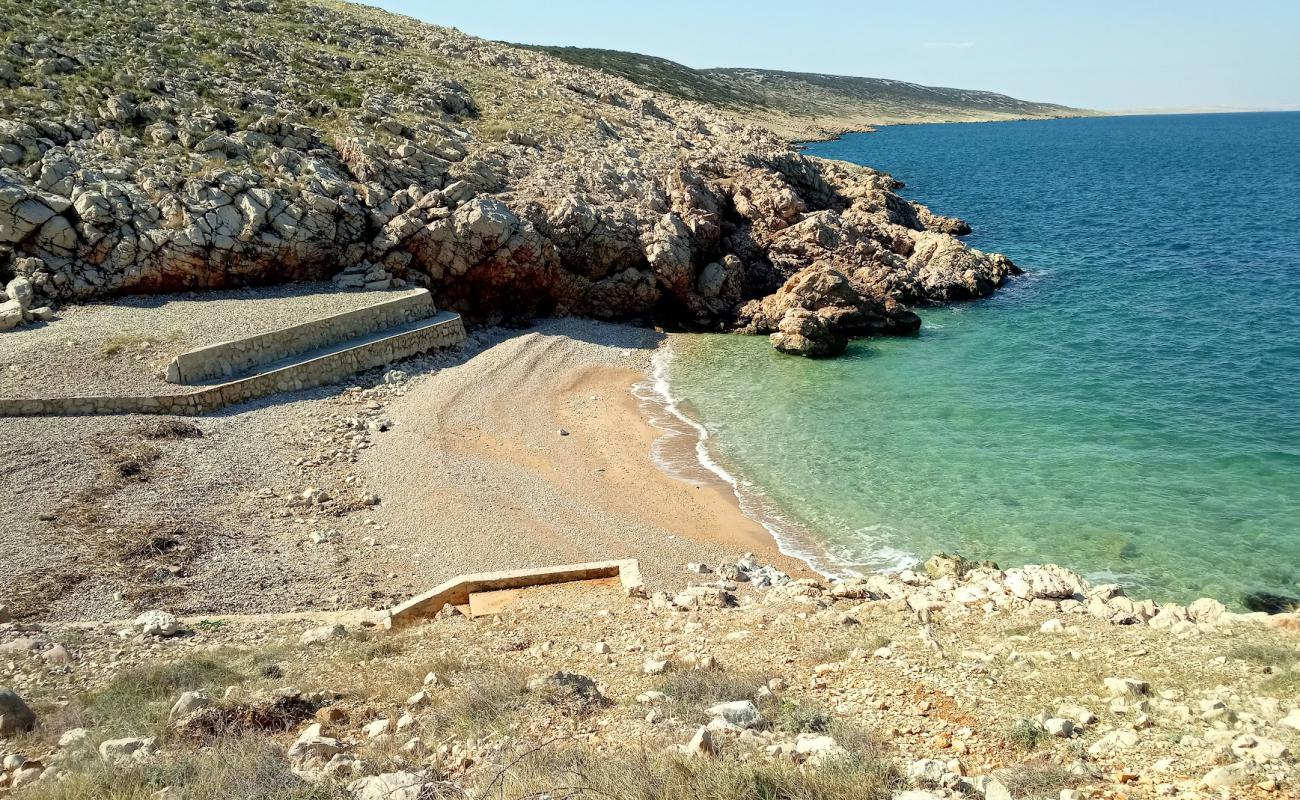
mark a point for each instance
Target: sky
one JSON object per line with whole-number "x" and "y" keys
{"x": 1100, "y": 54}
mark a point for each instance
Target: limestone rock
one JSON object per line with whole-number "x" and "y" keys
{"x": 741, "y": 713}
{"x": 189, "y": 702}
{"x": 322, "y": 634}
{"x": 119, "y": 751}
{"x": 389, "y": 786}
{"x": 157, "y": 623}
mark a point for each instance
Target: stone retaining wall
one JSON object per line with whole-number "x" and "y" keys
{"x": 226, "y": 359}
{"x": 443, "y": 330}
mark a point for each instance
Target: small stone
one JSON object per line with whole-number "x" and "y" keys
{"x": 74, "y": 739}
{"x": 418, "y": 700}
{"x": 996, "y": 790}
{"x": 57, "y": 654}
{"x": 188, "y": 703}
{"x": 1052, "y": 626}
{"x": 701, "y": 744}
{"x": 377, "y": 728}
{"x": 926, "y": 772}
{"x": 1126, "y": 687}
{"x": 389, "y": 786}
{"x": 1227, "y": 776}
{"x": 655, "y": 667}
{"x": 1058, "y": 727}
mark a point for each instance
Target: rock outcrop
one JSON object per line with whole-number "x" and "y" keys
{"x": 509, "y": 183}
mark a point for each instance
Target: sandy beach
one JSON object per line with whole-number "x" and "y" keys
{"x": 535, "y": 451}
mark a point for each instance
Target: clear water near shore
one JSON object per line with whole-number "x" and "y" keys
{"x": 1130, "y": 408}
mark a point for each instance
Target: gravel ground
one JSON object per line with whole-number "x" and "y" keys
{"x": 114, "y": 515}
{"x": 123, "y": 347}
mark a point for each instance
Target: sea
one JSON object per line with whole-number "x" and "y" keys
{"x": 1129, "y": 408}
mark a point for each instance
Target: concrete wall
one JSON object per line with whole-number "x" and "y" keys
{"x": 443, "y": 330}
{"x": 227, "y": 359}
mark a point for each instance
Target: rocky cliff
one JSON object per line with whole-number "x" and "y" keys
{"x": 152, "y": 146}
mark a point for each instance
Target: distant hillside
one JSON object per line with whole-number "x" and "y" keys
{"x": 802, "y": 104}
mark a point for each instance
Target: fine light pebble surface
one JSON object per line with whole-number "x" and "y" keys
{"x": 122, "y": 347}
{"x": 461, "y": 453}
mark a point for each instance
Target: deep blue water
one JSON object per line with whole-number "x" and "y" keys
{"x": 1130, "y": 407}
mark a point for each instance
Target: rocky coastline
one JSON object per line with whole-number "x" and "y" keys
{"x": 511, "y": 184}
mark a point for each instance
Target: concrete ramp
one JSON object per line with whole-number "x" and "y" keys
{"x": 457, "y": 591}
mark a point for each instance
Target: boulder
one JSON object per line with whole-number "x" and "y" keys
{"x": 1046, "y": 582}
{"x": 741, "y": 713}
{"x": 818, "y": 309}
{"x": 157, "y": 623}
{"x": 120, "y": 751}
{"x": 817, "y": 749}
{"x": 390, "y": 786}
{"x": 322, "y": 634}
{"x": 15, "y": 716}
{"x": 803, "y": 333}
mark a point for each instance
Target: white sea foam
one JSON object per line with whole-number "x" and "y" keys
{"x": 791, "y": 538}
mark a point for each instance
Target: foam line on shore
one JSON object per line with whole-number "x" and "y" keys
{"x": 664, "y": 412}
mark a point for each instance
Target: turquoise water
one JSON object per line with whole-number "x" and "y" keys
{"x": 1129, "y": 408}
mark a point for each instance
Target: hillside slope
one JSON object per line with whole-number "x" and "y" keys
{"x": 810, "y": 105}
{"x": 154, "y": 146}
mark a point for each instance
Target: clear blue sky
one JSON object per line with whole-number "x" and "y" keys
{"x": 1099, "y": 54}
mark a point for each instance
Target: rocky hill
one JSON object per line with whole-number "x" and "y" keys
{"x": 744, "y": 685}
{"x": 155, "y": 146}
{"x": 806, "y": 105}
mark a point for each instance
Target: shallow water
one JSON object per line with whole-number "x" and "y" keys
{"x": 1130, "y": 408}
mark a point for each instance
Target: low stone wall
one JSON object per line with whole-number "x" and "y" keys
{"x": 443, "y": 330}
{"x": 457, "y": 590}
{"x": 226, "y": 359}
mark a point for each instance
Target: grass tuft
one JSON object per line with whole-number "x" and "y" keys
{"x": 695, "y": 690}
{"x": 804, "y": 718}
{"x": 136, "y": 701}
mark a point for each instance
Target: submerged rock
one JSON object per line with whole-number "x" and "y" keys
{"x": 1270, "y": 603}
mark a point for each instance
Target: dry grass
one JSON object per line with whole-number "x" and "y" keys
{"x": 245, "y": 768}
{"x": 804, "y": 718}
{"x": 693, "y": 691}
{"x": 575, "y": 772}
{"x": 142, "y": 556}
{"x": 1282, "y": 659}
{"x": 121, "y": 343}
{"x": 1030, "y": 782}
